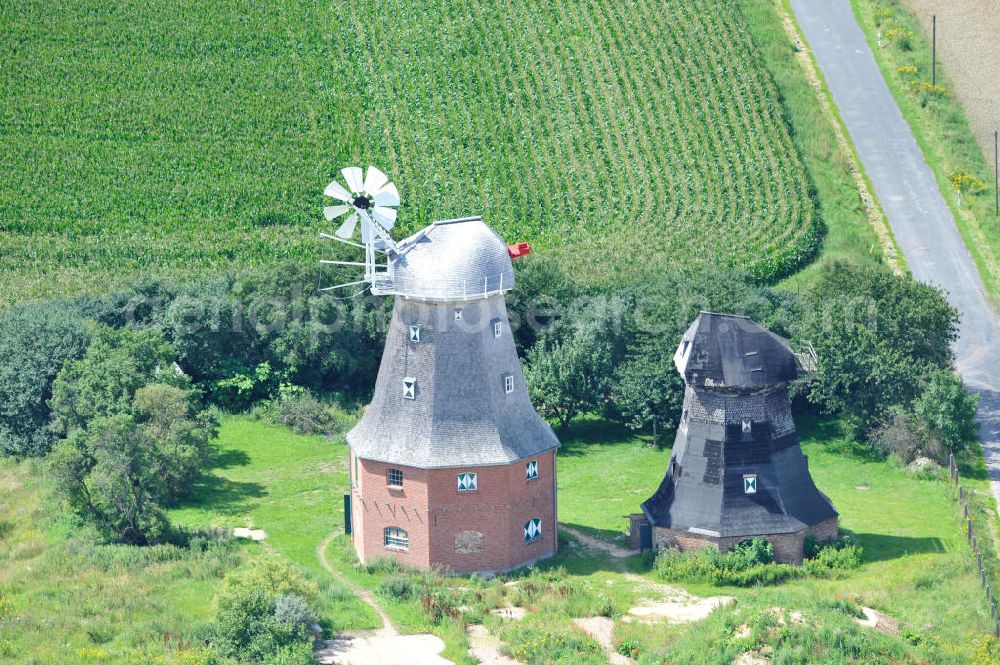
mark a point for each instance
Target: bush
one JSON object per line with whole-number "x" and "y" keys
{"x": 264, "y": 613}
{"x": 750, "y": 563}
{"x": 906, "y": 437}
{"x": 300, "y": 411}
{"x": 396, "y": 586}
{"x": 824, "y": 556}
{"x": 948, "y": 410}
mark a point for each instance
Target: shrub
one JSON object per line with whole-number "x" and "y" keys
{"x": 294, "y": 610}
{"x": 629, "y": 647}
{"x": 263, "y": 615}
{"x": 906, "y": 437}
{"x": 300, "y": 411}
{"x": 750, "y": 563}
{"x": 948, "y": 410}
{"x": 396, "y": 586}
{"x": 841, "y": 554}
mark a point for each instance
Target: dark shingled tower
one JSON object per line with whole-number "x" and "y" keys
{"x": 737, "y": 471}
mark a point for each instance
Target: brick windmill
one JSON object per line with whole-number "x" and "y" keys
{"x": 737, "y": 471}
{"x": 450, "y": 465}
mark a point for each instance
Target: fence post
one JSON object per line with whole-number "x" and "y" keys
{"x": 970, "y": 529}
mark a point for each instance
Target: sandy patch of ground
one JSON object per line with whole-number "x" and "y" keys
{"x": 601, "y": 629}
{"x": 675, "y": 605}
{"x": 252, "y": 534}
{"x": 379, "y": 649}
{"x": 750, "y": 658}
{"x": 592, "y": 543}
{"x": 515, "y": 613}
{"x": 879, "y": 621}
{"x": 486, "y": 647}
{"x": 969, "y": 49}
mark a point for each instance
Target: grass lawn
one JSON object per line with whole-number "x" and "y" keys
{"x": 918, "y": 567}
{"x": 120, "y": 601}
{"x": 292, "y": 487}
{"x": 63, "y": 600}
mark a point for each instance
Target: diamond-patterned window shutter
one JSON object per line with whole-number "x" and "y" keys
{"x": 747, "y": 427}
{"x": 458, "y": 315}
{"x": 410, "y": 388}
{"x": 415, "y": 333}
{"x": 750, "y": 484}
{"x": 468, "y": 482}
{"x": 531, "y": 471}
{"x": 532, "y": 530}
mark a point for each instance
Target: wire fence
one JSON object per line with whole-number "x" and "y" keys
{"x": 974, "y": 543}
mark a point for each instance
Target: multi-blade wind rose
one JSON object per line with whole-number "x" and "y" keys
{"x": 371, "y": 200}
{"x": 368, "y": 199}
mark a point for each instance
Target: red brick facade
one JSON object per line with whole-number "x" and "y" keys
{"x": 787, "y": 546}
{"x": 456, "y": 531}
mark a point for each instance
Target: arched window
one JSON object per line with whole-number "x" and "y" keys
{"x": 396, "y": 538}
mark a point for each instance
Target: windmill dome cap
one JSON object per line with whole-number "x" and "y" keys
{"x": 455, "y": 259}
{"x": 728, "y": 351}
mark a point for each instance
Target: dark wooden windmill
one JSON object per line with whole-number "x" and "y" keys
{"x": 737, "y": 470}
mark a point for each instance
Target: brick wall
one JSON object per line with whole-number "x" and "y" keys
{"x": 787, "y": 546}
{"x": 481, "y": 530}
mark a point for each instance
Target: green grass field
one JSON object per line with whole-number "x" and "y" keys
{"x": 70, "y": 600}
{"x": 185, "y": 138}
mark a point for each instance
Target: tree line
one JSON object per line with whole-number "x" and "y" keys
{"x": 121, "y": 391}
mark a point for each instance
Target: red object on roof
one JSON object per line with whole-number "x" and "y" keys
{"x": 519, "y": 250}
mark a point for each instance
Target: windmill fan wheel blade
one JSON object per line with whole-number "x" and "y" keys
{"x": 346, "y": 229}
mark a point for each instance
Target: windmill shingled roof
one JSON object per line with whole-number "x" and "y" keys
{"x": 733, "y": 352}
{"x": 452, "y": 260}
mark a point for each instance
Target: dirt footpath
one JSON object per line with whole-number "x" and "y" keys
{"x": 969, "y": 48}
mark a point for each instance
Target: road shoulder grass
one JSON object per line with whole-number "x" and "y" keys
{"x": 939, "y": 125}
{"x": 855, "y": 226}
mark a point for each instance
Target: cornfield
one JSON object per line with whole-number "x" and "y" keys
{"x": 187, "y": 137}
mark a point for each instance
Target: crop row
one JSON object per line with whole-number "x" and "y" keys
{"x": 157, "y": 136}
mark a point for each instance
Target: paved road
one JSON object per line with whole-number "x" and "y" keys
{"x": 908, "y": 192}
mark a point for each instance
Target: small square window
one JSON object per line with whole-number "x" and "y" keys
{"x": 533, "y": 530}
{"x": 497, "y": 327}
{"x": 750, "y": 484}
{"x": 508, "y": 383}
{"x": 531, "y": 470}
{"x": 409, "y": 388}
{"x": 415, "y": 333}
{"x": 394, "y": 478}
{"x": 458, "y": 315}
{"x": 468, "y": 482}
